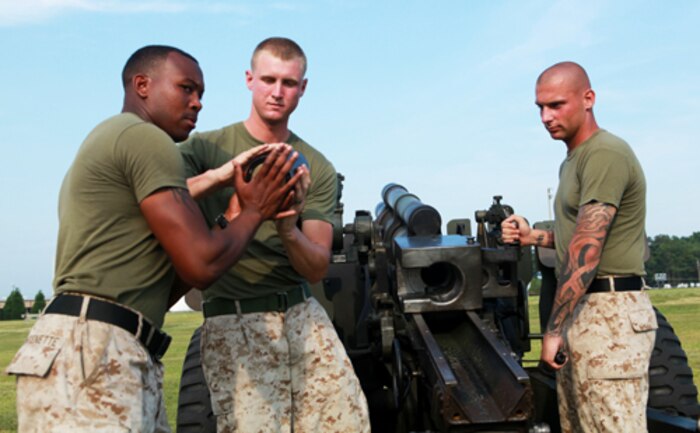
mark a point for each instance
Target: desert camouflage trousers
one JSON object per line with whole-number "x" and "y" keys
{"x": 604, "y": 386}
{"x": 281, "y": 372}
{"x": 80, "y": 376}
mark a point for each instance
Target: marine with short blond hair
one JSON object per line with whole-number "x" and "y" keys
{"x": 271, "y": 356}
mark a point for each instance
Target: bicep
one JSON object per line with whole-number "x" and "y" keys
{"x": 594, "y": 219}
{"x": 592, "y": 228}
{"x": 177, "y": 223}
{"x": 604, "y": 178}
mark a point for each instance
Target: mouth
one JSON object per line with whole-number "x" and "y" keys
{"x": 191, "y": 121}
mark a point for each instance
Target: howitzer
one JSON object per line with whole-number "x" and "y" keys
{"x": 440, "y": 319}
{"x": 436, "y": 326}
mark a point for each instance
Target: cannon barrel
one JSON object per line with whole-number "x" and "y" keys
{"x": 420, "y": 219}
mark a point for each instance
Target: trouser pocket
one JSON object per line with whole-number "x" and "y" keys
{"x": 38, "y": 353}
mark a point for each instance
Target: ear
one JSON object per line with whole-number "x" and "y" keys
{"x": 303, "y": 87}
{"x": 249, "y": 79}
{"x": 141, "y": 84}
{"x": 589, "y": 99}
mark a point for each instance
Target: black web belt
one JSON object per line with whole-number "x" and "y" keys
{"x": 618, "y": 284}
{"x": 152, "y": 338}
{"x": 279, "y": 302}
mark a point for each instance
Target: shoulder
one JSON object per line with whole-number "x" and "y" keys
{"x": 132, "y": 122}
{"x": 213, "y": 136}
{"x": 127, "y": 133}
{"x": 604, "y": 141}
{"x": 145, "y": 137}
{"x": 317, "y": 160}
{"x": 604, "y": 147}
{"x": 129, "y": 127}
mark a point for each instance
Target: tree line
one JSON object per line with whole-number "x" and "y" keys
{"x": 14, "y": 308}
{"x": 677, "y": 257}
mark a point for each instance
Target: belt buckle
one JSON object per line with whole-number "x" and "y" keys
{"x": 163, "y": 346}
{"x": 282, "y": 302}
{"x": 611, "y": 283}
{"x": 146, "y": 338}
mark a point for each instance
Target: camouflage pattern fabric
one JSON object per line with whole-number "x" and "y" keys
{"x": 604, "y": 386}
{"x": 86, "y": 376}
{"x": 281, "y": 372}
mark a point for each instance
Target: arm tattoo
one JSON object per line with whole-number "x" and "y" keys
{"x": 545, "y": 239}
{"x": 581, "y": 261}
{"x": 540, "y": 240}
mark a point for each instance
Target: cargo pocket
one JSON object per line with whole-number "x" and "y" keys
{"x": 36, "y": 356}
{"x": 643, "y": 319}
{"x": 628, "y": 353}
{"x": 618, "y": 367}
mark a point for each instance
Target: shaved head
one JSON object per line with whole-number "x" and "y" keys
{"x": 565, "y": 98}
{"x": 568, "y": 74}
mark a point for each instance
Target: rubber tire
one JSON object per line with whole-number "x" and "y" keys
{"x": 194, "y": 414}
{"x": 671, "y": 386}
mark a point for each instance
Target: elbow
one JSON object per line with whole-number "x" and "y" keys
{"x": 199, "y": 264}
{"x": 199, "y": 278}
{"x": 313, "y": 279}
{"x": 198, "y": 282}
{"x": 317, "y": 274}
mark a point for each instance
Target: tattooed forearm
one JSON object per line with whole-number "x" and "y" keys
{"x": 545, "y": 239}
{"x": 581, "y": 261}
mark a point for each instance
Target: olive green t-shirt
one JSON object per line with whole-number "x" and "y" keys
{"x": 604, "y": 169}
{"x": 105, "y": 246}
{"x": 264, "y": 268}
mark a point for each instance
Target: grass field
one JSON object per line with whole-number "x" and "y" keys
{"x": 680, "y": 306}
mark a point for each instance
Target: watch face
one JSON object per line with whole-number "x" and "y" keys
{"x": 222, "y": 221}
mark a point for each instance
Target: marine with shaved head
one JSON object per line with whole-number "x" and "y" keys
{"x": 602, "y": 320}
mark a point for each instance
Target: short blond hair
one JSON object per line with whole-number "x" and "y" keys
{"x": 283, "y": 48}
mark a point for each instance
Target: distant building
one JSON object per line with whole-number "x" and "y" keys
{"x": 28, "y": 304}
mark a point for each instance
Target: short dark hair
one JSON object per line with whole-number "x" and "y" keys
{"x": 146, "y": 58}
{"x": 283, "y": 48}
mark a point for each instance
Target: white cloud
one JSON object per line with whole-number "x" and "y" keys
{"x": 13, "y": 12}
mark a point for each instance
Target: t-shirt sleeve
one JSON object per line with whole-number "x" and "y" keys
{"x": 604, "y": 177}
{"x": 200, "y": 153}
{"x": 322, "y": 197}
{"x": 150, "y": 160}
{"x": 191, "y": 155}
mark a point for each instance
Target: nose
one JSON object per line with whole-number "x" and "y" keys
{"x": 545, "y": 115}
{"x": 277, "y": 89}
{"x": 196, "y": 102}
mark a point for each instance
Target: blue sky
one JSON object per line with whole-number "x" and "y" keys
{"x": 437, "y": 96}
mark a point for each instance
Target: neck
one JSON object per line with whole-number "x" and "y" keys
{"x": 267, "y": 132}
{"x": 583, "y": 134}
{"x": 136, "y": 109}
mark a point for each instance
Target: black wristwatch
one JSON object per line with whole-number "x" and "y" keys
{"x": 221, "y": 221}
